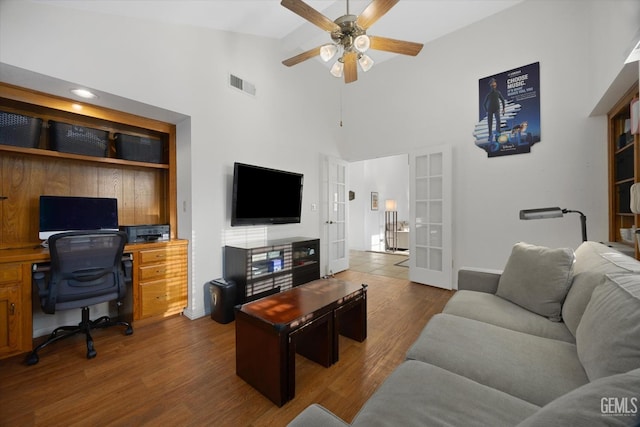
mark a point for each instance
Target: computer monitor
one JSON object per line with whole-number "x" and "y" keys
{"x": 59, "y": 214}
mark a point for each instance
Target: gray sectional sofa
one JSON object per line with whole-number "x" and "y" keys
{"x": 553, "y": 340}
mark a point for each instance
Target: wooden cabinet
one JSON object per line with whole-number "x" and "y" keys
{"x": 624, "y": 171}
{"x": 15, "y": 315}
{"x": 161, "y": 285}
{"x": 264, "y": 268}
{"x": 146, "y": 194}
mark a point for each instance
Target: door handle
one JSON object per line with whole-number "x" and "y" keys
{"x": 328, "y": 222}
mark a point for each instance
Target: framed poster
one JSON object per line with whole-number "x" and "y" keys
{"x": 509, "y": 106}
{"x": 374, "y": 200}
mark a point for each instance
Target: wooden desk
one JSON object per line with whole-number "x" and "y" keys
{"x": 159, "y": 287}
{"x": 306, "y": 319}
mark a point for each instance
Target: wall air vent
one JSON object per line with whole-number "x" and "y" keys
{"x": 243, "y": 85}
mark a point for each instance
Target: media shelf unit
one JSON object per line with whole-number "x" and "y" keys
{"x": 265, "y": 268}
{"x": 624, "y": 171}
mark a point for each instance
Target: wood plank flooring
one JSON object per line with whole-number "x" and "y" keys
{"x": 180, "y": 372}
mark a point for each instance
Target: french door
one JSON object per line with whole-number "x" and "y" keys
{"x": 335, "y": 213}
{"x": 430, "y": 260}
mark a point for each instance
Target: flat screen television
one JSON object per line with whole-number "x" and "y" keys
{"x": 59, "y": 214}
{"x": 265, "y": 196}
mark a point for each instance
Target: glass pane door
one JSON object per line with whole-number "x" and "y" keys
{"x": 430, "y": 252}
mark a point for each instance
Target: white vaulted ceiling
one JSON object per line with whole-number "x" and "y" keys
{"x": 414, "y": 20}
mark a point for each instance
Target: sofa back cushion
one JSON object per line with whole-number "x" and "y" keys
{"x": 593, "y": 262}
{"x": 608, "y": 336}
{"x": 610, "y": 401}
{"x": 537, "y": 278}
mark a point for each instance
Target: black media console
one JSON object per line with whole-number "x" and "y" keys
{"x": 266, "y": 268}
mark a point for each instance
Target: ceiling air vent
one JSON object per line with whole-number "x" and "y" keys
{"x": 243, "y": 85}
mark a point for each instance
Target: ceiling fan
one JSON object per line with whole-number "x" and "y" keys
{"x": 349, "y": 32}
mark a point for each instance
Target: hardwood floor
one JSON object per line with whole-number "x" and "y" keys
{"x": 180, "y": 372}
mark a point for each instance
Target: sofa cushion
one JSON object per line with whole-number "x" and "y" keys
{"x": 317, "y": 416}
{"x": 593, "y": 262}
{"x": 537, "y": 278}
{"x": 608, "y": 336}
{"x": 492, "y": 309}
{"x": 419, "y": 394}
{"x": 608, "y": 401}
{"x": 531, "y": 368}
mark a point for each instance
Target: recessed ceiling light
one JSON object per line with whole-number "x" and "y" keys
{"x": 84, "y": 93}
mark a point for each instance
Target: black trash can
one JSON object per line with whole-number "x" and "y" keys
{"x": 223, "y": 300}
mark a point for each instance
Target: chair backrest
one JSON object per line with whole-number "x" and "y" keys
{"x": 86, "y": 269}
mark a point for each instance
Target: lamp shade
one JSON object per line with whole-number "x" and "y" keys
{"x": 362, "y": 43}
{"x": 328, "y": 51}
{"x": 390, "y": 205}
{"x": 541, "y": 213}
{"x": 365, "y": 63}
{"x": 337, "y": 68}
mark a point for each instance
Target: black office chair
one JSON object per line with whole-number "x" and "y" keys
{"x": 87, "y": 268}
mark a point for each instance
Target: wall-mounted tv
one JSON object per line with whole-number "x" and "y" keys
{"x": 265, "y": 196}
{"x": 63, "y": 213}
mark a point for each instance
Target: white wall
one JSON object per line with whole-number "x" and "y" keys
{"x": 185, "y": 69}
{"x": 400, "y": 105}
{"x": 432, "y": 100}
{"x": 389, "y": 177}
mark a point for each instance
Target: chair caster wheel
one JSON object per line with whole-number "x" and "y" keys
{"x": 91, "y": 354}
{"x": 128, "y": 331}
{"x": 32, "y": 359}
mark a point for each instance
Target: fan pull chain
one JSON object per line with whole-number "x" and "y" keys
{"x": 340, "y": 107}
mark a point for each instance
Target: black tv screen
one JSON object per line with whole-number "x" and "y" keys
{"x": 265, "y": 196}
{"x": 62, "y": 213}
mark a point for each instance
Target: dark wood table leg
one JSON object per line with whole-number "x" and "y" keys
{"x": 350, "y": 320}
{"x": 262, "y": 358}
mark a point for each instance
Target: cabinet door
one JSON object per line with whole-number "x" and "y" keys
{"x": 161, "y": 281}
{"x": 9, "y": 318}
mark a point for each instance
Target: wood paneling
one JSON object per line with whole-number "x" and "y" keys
{"x": 140, "y": 192}
{"x": 146, "y": 192}
{"x": 182, "y": 372}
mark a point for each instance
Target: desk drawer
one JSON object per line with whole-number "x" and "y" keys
{"x": 10, "y": 273}
{"x": 164, "y": 297}
{"x": 162, "y": 255}
{"x": 162, "y": 271}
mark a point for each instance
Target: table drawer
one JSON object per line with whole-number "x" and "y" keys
{"x": 10, "y": 273}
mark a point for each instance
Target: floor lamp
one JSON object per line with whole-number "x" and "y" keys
{"x": 391, "y": 224}
{"x": 555, "y": 212}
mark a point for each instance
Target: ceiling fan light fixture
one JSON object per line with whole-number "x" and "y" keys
{"x": 328, "y": 51}
{"x": 365, "y": 62}
{"x": 362, "y": 43}
{"x": 337, "y": 69}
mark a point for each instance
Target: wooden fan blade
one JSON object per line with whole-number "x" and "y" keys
{"x": 310, "y": 14}
{"x": 374, "y": 11}
{"x": 302, "y": 57}
{"x": 395, "y": 46}
{"x": 350, "y": 67}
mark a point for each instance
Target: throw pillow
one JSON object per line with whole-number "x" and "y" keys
{"x": 610, "y": 401}
{"x": 537, "y": 278}
{"x": 608, "y": 335}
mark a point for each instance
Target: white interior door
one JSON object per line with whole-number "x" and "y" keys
{"x": 430, "y": 173}
{"x": 335, "y": 208}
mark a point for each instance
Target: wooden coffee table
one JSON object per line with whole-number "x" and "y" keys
{"x": 305, "y": 320}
